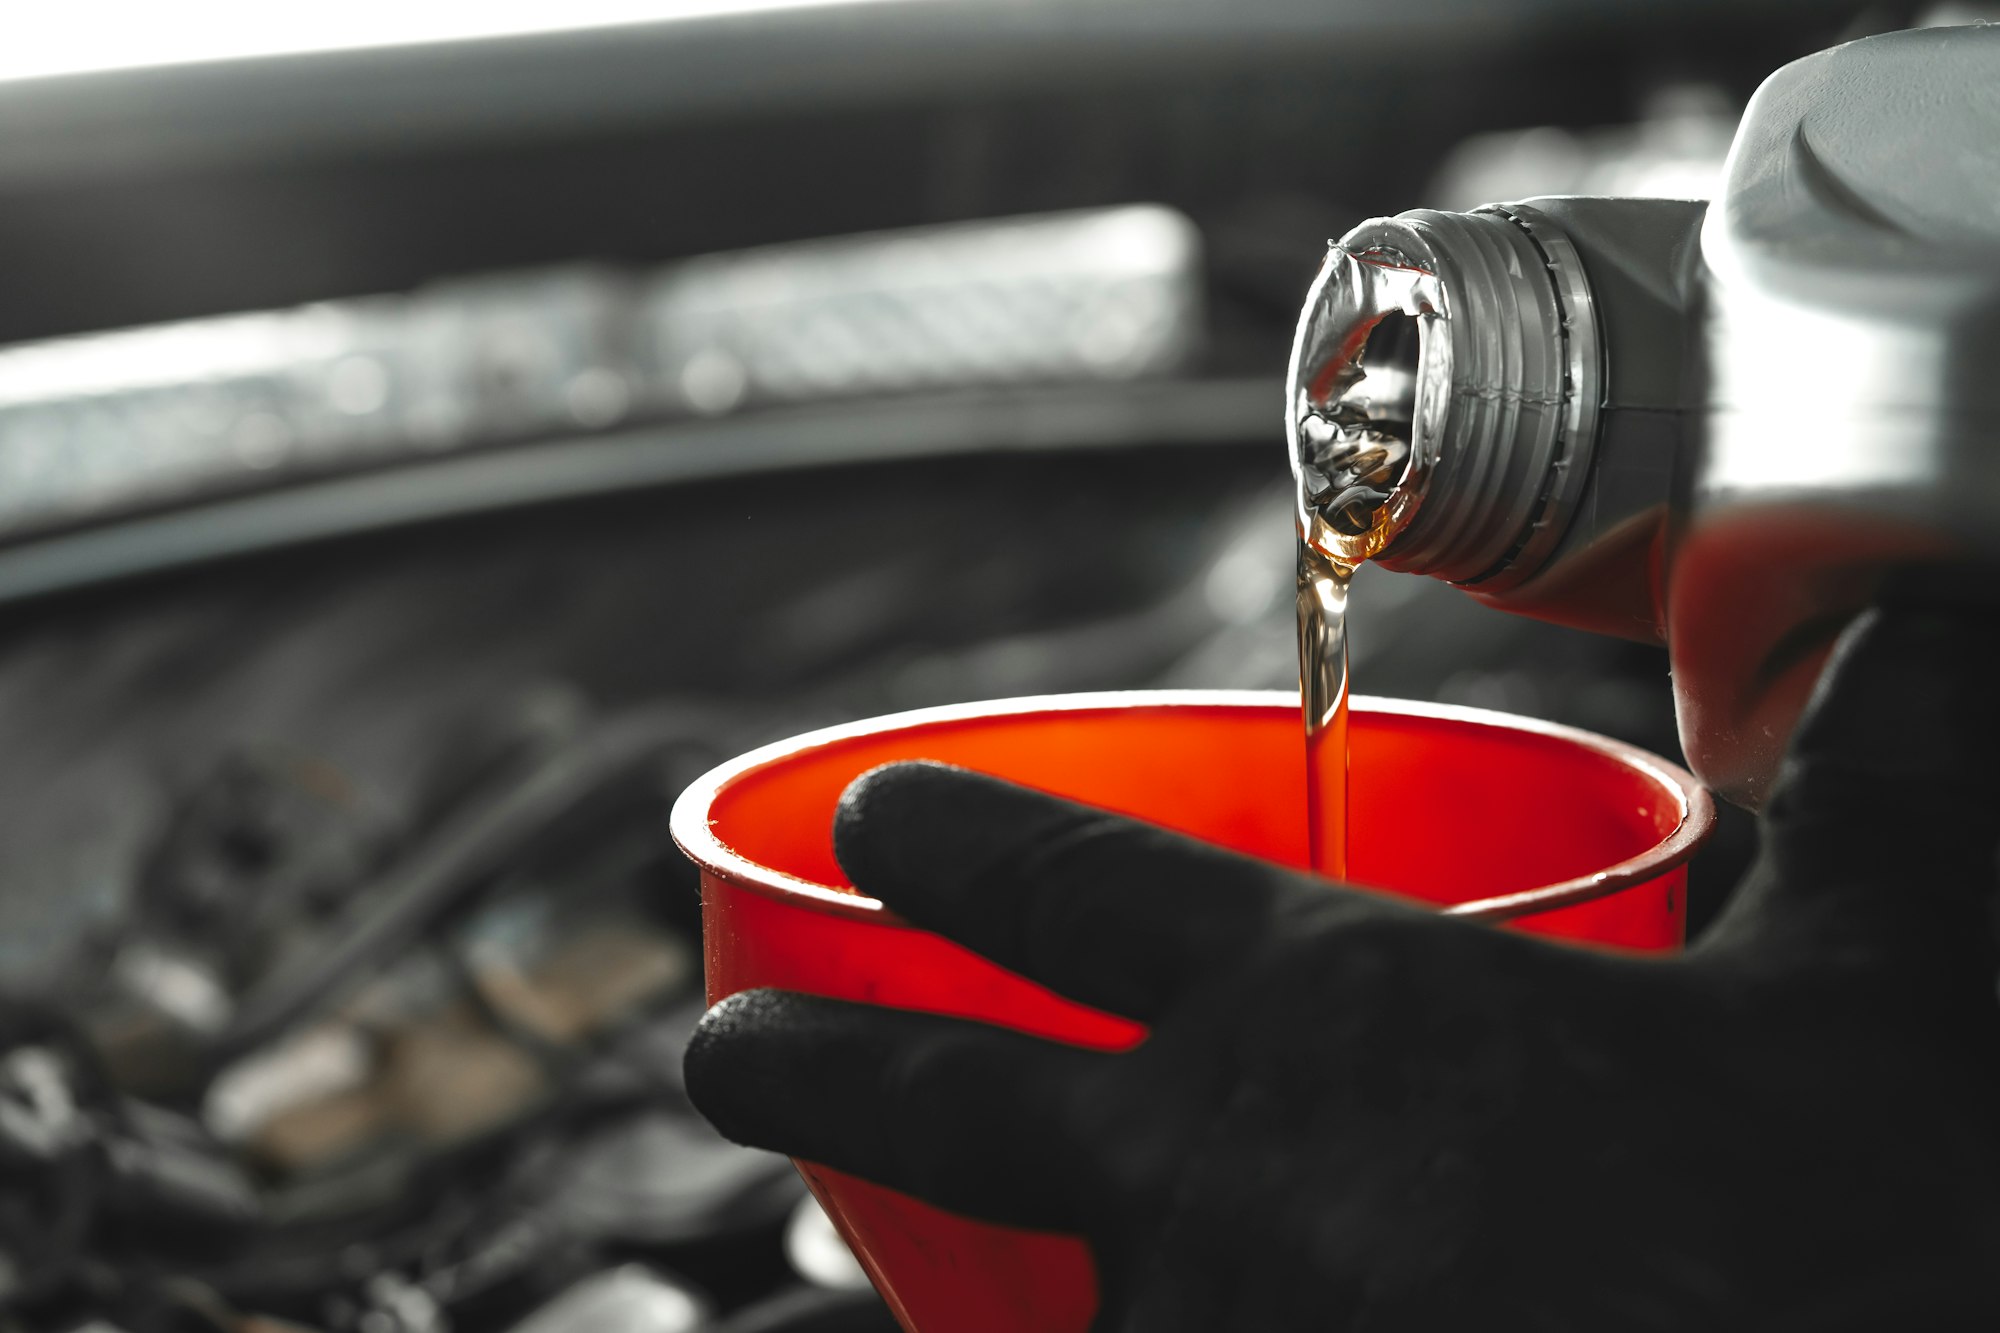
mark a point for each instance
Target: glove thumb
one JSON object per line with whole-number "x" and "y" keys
{"x": 1895, "y": 766}
{"x": 1880, "y": 839}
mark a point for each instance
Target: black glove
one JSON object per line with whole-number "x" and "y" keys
{"x": 1355, "y": 1115}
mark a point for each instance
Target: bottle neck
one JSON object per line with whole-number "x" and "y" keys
{"x": 1443, "y": 395}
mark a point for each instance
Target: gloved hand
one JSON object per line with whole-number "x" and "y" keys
{"x": 1355, "y": 1115}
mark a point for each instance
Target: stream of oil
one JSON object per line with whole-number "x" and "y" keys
{"x": 1355, "y": 386}
{"x": 1323, "y": 693}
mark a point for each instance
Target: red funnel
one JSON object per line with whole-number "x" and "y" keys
{"x": 1558, "y": 831}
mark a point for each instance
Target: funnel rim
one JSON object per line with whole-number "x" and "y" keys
{"x": 692, "y": 830}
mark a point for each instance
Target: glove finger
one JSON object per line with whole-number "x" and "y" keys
{"x": 971, "y": 1118}
{"x": 1101, "y": 908}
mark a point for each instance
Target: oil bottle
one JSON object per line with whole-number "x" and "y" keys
{"x": 1716, "y": 425}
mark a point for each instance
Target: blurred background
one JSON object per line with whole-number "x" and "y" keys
{"x": 431, "y": 434}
